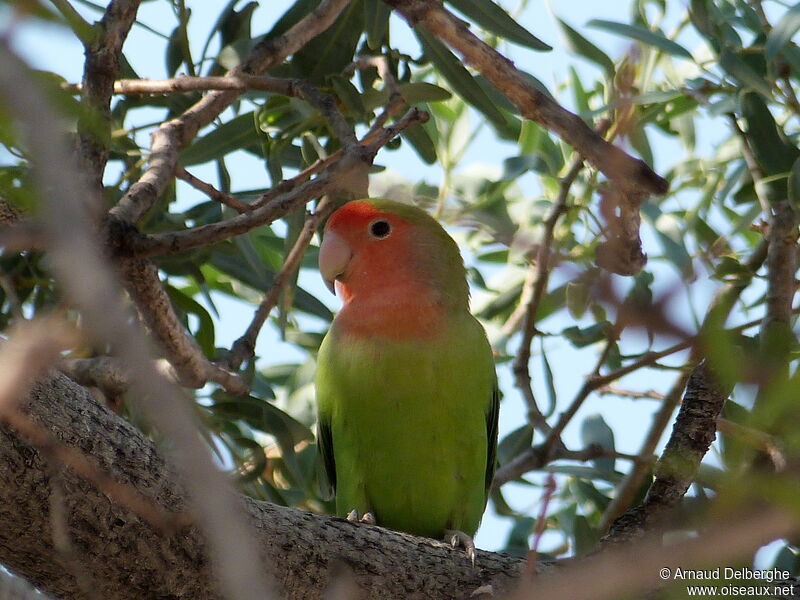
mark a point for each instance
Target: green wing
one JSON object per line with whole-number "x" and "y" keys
{"x": 491, "y": 437}
{"x": 325, "y": 449}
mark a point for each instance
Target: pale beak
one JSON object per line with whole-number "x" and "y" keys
{"x": 334, "y": 256}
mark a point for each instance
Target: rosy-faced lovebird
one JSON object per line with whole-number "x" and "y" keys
{"x": 406, "y": 388}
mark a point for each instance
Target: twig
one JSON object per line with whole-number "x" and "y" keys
{"x": 171, "y": 137}
{"x": 244, "y": 348}
{"x": 629, "y": 173}
{"x": 635, "y": 394}
{"x": 766, "y": 443}
{"x": 537, "y": 457}
{"x": 692, "y": 435}
{"x": 718, "y": 311}
{"x": 88, "y": 281}
{"x": 336, "y": 175}
{"x": 181, "y": 349}
{"x": 536, "y": 284}
{"x": 212, "y": 192}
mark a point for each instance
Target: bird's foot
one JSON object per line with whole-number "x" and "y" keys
{"x": 367, "y": 518}
{"x": 458, "y": 538}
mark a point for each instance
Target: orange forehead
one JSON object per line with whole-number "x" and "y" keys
{"x": 356, "y": 216}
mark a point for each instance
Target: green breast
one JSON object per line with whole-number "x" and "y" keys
{"x": 408, "y": 425}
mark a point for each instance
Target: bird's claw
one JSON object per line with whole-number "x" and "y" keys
{"x": 458, "y": 538}
{"x": 367, "y": 518}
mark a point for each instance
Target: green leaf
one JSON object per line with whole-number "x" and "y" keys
{"x": 584, "y": 536}
{"x": 517, "y": 542}
{"x": 174, "y": 56}
{"x": 644, "y": 35}
{"x": 422, "y": 91}
{"x": 773, "y": 152}
{"x": 515, "y": 166}
{"x": 552, "y": 396}
{"x": 594, "y": 430}
{"x": 422, "y": 143}
{"x": 794, "y": 183}
{"x": 493, "y": 18}
{"x": 783, "y": 31}
{"x": 743, "y": 73}
{"x": 584, "y": 336}
{"x": 205, "y": 327}
{"x": 457, "y": 75}
{"x": 376, "y": 16}
{"x": 240, "y": 132}
{"x": 579, "y": 45}
{"x": 514, "y": 443}
{"x": 348, "y": 94}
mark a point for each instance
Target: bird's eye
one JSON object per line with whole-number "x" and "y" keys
{"x": 380, "y": 229}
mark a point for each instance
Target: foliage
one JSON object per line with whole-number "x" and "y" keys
{"x": 687, "y": 96}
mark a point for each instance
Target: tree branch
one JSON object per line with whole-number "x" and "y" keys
{"x": 337, "y": 175}
{"x": 628, "y": 173}
{"x": 718, "y": 311}
{"x": 103, "y": 52}
{"x": 194, "y": 370}
{"x": 140, "y": 561}
{"x": 692, "y": 435}
{"x": 172, "y": 136}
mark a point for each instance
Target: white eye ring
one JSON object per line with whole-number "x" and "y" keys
{"x": 380, "y": 228}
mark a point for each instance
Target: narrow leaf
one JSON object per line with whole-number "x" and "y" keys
{"x": 493, "y": 18}
{"x": 583, "y": 47}
{"x": 457, "y": 76}
{"x": 644, "y": 35}
{"x": 783, "y": 31}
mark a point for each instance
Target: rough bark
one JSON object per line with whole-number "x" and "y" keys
{"x": 127, "y": 558}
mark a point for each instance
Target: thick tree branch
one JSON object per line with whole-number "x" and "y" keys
{"x": 140, "y": 561}
{"x": 629, "y": 174}
{"x": 171, "y": 137}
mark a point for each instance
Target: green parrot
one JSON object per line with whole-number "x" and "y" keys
{"x": 406, "y": 388}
